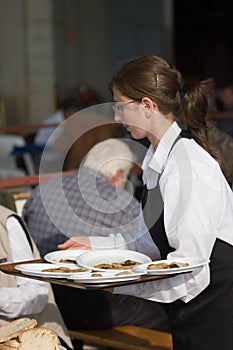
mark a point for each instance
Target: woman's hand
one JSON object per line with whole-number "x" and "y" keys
{"x": 76, "y": 242}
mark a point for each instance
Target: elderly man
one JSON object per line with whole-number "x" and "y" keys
{"x": 93, "y": 202}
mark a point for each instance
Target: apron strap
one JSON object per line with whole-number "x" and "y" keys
{"x": 153, "y": 210}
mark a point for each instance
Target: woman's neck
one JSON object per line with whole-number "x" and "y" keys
{"x": 159, "y": 127}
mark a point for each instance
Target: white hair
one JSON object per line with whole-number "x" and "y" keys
{"x": 109, "y": 156}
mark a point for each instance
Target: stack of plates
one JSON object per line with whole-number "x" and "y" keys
{"x": 86, "y": 260}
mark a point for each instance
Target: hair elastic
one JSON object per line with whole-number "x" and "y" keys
{"x": 182, "y": 92}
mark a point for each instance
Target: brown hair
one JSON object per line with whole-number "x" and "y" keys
{"x": 153, "y": 77}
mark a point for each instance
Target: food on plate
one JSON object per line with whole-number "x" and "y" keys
{"x": 67, "y": 261}
{"x": 123, "y": 273}
{"x": 104, "y": 266}
{"x": 126, "y": 264}
{"x": 63, "y": 269}
{"x": 96, "y": 275}
{"x": 157, "y": 266}
{"x": 22, "y": 334}
{"x": 171, "y": 265}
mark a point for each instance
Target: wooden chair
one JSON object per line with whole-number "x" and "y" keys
{"x": 126, "y": 338}
{"x": 20, "y": 200}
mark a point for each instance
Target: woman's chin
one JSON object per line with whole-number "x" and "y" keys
{"x": 136, "y": 134}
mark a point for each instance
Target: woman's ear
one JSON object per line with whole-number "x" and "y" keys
{"x": 148, "y": 104}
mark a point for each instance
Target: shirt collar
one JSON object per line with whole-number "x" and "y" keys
{"x": 155, "y": 159}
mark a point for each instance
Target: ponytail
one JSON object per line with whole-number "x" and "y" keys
{"x": 195, "y": 106}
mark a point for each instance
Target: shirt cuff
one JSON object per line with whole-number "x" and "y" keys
{"x": 113, "y": 241}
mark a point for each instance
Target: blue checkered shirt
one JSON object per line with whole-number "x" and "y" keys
{"x": 83, "y": 204}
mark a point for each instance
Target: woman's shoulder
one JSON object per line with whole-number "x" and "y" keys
{"x": 190, "y": 161}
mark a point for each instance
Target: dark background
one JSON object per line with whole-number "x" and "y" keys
{"x": 199, "y": 28}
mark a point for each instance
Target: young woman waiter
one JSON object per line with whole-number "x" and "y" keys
{"x": 196, "y": 216}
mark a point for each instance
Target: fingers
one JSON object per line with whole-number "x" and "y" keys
{"x": 76, "y": 242}
{"x": 68, "y": 244}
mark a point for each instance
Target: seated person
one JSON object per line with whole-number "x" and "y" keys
{"x": 68, "y": 107}
{"x": 93, "y": 202}
{"x": 225, "y": 93}
{"x": 223, "y": 144}
{"x": 49, "y": 134}
{"x": 23, "y": 297}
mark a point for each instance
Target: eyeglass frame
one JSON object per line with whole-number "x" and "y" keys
{"x": 122, "y": 104}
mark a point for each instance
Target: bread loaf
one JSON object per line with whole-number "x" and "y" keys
{"x": 12, "y": 329}
{"x": 21, "y": 334}
{"x": 38, "y": 339}
{"x": 6, "y": 347}
{"x": 10, "y": 344}
{"x": 13, "y": 343}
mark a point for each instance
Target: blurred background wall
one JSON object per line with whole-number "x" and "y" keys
{"x": 51, "y": 48}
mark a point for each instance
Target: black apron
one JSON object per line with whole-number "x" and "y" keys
{"x": 206, "y": 322}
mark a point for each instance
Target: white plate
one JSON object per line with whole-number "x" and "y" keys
{"x": 193, "y": 264}
{"x": 107, "y": 276}
{"x": 35, "y": 269}
{"x": 108, "y": 256}
{"x": 56, "y": 256}
{"x": 61, "y": 347}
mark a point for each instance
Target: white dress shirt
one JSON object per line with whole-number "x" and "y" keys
{"x": 112, "y": 241}
{"x": 198, "y": 208}
{"x": 30, "y": 296}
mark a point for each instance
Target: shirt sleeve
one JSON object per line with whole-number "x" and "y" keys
{"x": 30, "y": 296}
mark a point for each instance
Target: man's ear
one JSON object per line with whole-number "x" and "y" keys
{"x": 117, "y": 179}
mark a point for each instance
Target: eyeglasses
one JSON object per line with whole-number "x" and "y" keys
{"x": 118, "y": 107}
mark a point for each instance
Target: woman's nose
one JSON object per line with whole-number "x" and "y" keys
{"x": 117, "y": 117}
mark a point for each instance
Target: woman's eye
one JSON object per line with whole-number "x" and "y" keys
{"x": 118, "y": 108}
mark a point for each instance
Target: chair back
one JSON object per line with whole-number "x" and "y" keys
{"x": 8, "y": 163}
